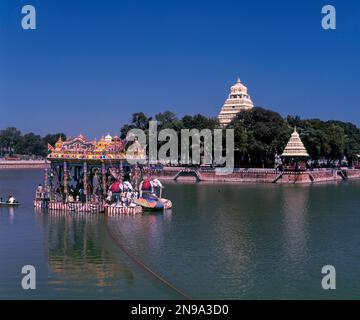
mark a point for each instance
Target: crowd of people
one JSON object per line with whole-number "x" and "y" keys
{"x": 119, "y": 192}
{"x": 123, "y": 193}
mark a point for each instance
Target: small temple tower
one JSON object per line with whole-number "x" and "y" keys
{"x": 295, "y": 153}
{"x": 238, "y": 100}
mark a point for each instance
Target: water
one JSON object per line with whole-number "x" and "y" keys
{"x": 220, "y": 241}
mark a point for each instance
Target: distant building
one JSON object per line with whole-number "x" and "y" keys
{"x": 238, "y": 100}
{"x": 294, "y": 155}
{"x": 295, "y": 148}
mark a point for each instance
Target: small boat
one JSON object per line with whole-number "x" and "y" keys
{"x": 7, "y": 204}
{"x": 149, "y": 203}
{"x": 153, "y": 203}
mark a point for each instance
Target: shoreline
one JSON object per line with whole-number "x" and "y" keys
{"x": 239, "y": 176}
{"x": 264, "y": 176}
{"x": 23, "y": 164}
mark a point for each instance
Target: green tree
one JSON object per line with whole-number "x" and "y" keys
{"x": 10, "y": 138}
{"x": 32, "y": 144}
{"x": 335, "y": 141}
{"x": 260, "y": 133}
{"x": 52, "y": 138}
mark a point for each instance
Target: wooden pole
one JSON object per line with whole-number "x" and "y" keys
{"x": 51, "y": 182}
{"x": 46, "y": 176}
{"x": 66, "y": 191}
{"x": 103, "y": 172}
{"x": 85, "y": 182}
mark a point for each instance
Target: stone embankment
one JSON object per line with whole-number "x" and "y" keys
{"x": 22, "y": 164}
{"x": 210, "y": 175}
{"x": 257, "y": 175}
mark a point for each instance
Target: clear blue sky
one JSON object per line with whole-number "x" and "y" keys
{"x": 91, "y": 64}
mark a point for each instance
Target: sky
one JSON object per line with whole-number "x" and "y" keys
{"x": 90, "y": 64}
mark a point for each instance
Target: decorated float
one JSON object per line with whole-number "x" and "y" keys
{"x": 95, "y": 176}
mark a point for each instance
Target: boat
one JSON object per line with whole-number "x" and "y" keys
{"x": 6, "y": 204}
{"x": 153, "y": 203}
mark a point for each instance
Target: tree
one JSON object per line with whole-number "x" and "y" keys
{"x": 139, "y": 121}
{"x": 166, "y": 120}
{"x": 52, "y": 138}
{"x": 335, "y": 140}
{"x": 260, "y": 133}
{"x": 32, "y": 144}
{"x": 9, "y": 140}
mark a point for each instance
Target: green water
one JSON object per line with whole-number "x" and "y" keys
{"x": 219, "y": 241}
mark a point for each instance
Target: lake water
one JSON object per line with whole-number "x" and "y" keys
{"x": 220, "y": 241}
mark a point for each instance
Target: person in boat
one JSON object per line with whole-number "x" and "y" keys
{"x": 11, "y": 200}
{"x": 146, "y": 188}
{"x": 94, "y": 199}
{"x": 116, "y": 188}
{"x": 81, "y": 194}
{"x": 70, "y": 198}
{"x": 109, "y": 197}
{"x": 128, "y": 193}
{"x": 39, "y": 191}
{"x": 158, "y": 186}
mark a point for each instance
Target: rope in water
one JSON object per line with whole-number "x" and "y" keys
{"x": 142, "y": 265}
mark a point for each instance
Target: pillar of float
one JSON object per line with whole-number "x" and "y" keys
{"x": 135, "y": 177}
{"x": 51, "y": 183}
{"x": 46, "y": 178}
{"x": 66, "y": 191}
{"x": 85, "y": 181}
{"x": 103, "y": 172}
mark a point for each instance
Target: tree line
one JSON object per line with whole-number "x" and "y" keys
{"x": 13, "y": 142}
{"x": 260, "y": 133}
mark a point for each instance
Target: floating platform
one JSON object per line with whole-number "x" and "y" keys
{"x": 113, "y": 210}
{"x": 70, "y": 206}
{"x": 83, "y": 207}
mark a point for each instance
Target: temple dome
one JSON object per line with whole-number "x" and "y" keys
{"x": 81, "y": 137}
{"x": 108, "y": 138}
{"x": 295, "y": 147}
{"x": 58, "y": 143}
{"x": 116, "y": 138}
{"x": 238, "y": 100}
{"x": 238, "y": 87}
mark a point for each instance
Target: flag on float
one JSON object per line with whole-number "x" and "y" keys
{"x": 50, "y": 147}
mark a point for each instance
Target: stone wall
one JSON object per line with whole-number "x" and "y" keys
{"x": 353, "y": 173}
{"x": 264, "y": 176}
{"x": 22, "y": 164}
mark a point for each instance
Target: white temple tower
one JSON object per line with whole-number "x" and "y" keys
{"x": 238, "y": 100}
{"x": 295, "y": 147}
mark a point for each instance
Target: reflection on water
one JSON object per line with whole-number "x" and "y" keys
{"x": 219, "y": 241}
{"x": 7, "y": 214}
{"x": 76, "y": 251}
{"x": 146, "y": 230}
{"x": 295, "y": 209}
